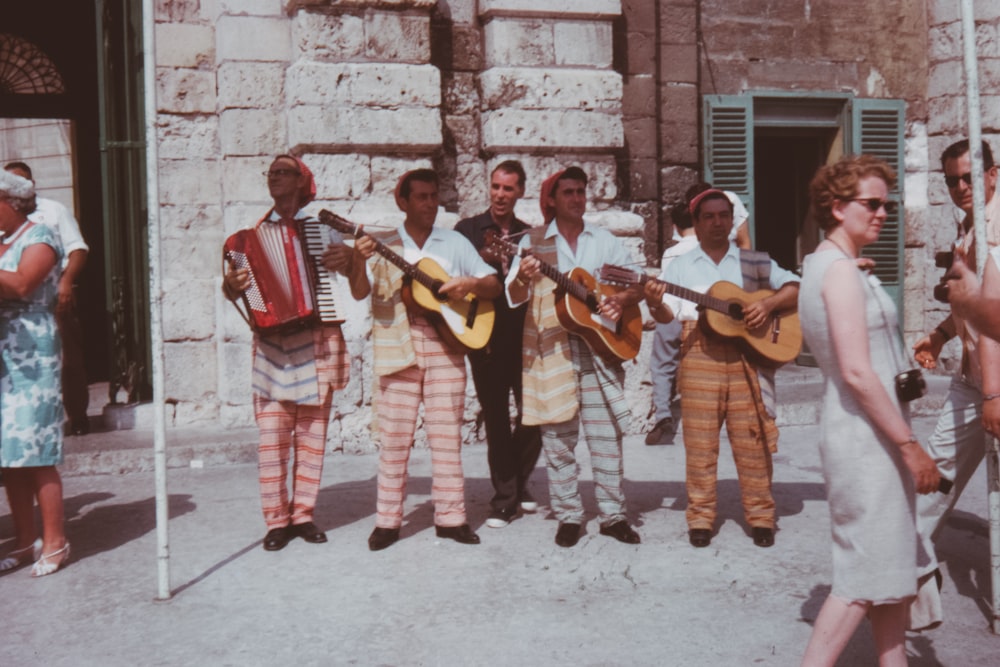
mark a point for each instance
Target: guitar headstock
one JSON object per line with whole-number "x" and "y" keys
{"x": 499, "y": 248}
{"x": 342, "y": 225}
{"x": 619, "y": 275}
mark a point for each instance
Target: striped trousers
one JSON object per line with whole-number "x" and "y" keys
{"x": 286, "y": 425}
{"x": 438, "y": 380}
{"x": 604, "y": 440}
{"x": 715, "y": 387}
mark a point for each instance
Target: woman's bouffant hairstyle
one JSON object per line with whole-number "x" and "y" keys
{"x": 839, "y": 182}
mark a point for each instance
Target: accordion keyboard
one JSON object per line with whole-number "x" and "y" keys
{"x": 328, "y": 289}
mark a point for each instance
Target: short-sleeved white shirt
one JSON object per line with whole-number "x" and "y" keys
{"x": 57, "y": 217}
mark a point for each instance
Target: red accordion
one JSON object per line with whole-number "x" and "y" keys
{"x": 289, "y": 286}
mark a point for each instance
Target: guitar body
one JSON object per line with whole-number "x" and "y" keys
{"x": 464, "y": 324}
{"x": 614, "y": 342}
{"x": 778, "y": 341}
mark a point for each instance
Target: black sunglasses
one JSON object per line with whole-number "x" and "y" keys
{"x": 952, "y": 181}
{"x": 281, "y": 172}
{"x": 874, "y": 204}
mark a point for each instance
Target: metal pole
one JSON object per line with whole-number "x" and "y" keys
{"x": 155, "y": 301}
{"x": 979, "y": 220}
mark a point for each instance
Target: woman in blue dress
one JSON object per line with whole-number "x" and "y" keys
{"x": 31, "y": 411}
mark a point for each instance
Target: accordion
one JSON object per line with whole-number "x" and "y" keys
{"x": 289, "y": 289}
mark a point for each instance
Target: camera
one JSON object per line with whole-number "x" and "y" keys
{"x": 943, "y": 260}
{"x": 910, "y": 385}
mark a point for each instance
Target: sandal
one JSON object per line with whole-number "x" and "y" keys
{"x": 19, "y": 557}
{"x": 44, "y": 566}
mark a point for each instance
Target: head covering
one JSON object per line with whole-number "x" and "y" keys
{"x": 12, "y": 185}
{"x": 548, "y": 188}
{"x": 399, "y": 189}
{"x": 308, "y": 190}
{"x": 698, "y": 198}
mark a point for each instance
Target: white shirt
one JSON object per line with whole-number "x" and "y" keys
{"x": 740, "y": 213}
{"x": 450, "y": 249}
{"x": 696, "y": 271}
{"x": 595, "y": 246}
{"x": 57, "y": 217}
{"x": 687, "y": 310}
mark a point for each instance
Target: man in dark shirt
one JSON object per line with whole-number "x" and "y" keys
{"x": 512, "y": 451}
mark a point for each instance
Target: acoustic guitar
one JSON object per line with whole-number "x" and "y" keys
{"x": 778, "y": 340}
{"x": 578, "y": 298}
{"x": 464, "y": 324}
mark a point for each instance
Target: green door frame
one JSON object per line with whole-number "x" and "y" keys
{"x": 123, "y": 165}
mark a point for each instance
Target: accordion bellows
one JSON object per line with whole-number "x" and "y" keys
{"x": 289, "y": 286}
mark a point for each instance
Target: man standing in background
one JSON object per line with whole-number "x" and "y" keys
{"x": 496, "y": 369}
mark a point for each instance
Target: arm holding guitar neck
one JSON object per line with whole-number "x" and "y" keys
{"x": 654, "y": 291}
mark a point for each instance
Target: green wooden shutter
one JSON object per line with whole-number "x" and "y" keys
{"x": 728, "y": 132}
{"x": 877, "y": 129}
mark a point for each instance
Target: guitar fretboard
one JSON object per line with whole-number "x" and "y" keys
{"x": 357, "y": 231}
{"x": 618, "y": 274}
{"x": 574, "y": 289}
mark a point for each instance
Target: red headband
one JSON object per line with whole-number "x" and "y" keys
{"x": 548, "y": 187}
{"x": 697, "y": 199}
{"x": 308, "y": 190}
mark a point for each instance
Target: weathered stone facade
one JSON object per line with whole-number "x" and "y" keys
{"x": 366, "y": 89}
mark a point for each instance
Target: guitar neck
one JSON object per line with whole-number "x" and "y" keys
{"x": 705, "y": 300}
{"x": 357, "y": 231}
{"x": 562, "y": 280}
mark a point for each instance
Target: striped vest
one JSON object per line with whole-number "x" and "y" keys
{"x": 756, "y": 269}
{"x": 391, "y": 342}
{"x": 548, "y": 379}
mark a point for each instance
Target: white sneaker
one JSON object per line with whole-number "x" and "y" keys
{"x": 529, "y": 504}
{"x": 500, "y": 518}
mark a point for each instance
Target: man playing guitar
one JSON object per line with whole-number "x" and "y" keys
{"x": 717, "y": 379}
{"x": 563, "y": 382}
{"x": 413, "y": 363}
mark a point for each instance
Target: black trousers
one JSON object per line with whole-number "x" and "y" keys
{"x": 512, "y": 448}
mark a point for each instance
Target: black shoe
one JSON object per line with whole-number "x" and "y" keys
{"x": 309, "y": 532}
{"x": 621, "y": 531}
{"x": 461, "y": 534}
{"x": 501, "y": 518}
{"x": 700, "y": 537}
{"x": 382, "y": 538}
{"x": 80, "y": 426}
{"x": 276, "y": 539}
{"x": 662, "y": 433}
{"x": 568, "y": 534}
{"x": 763, "y": 537}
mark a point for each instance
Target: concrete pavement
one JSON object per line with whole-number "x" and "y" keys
{"x": 515, "y": 599}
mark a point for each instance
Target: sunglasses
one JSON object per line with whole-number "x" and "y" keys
{"x": 874, "y": 204}
{"x": 952, "y": 181}
{"x": 281, "y": 172}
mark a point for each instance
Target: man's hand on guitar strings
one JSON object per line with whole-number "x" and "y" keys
{"x": 756, "y": 314}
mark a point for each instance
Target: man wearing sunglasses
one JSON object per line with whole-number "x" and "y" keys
{"x": 958, "y": 442}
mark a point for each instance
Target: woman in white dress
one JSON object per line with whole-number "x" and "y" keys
{"x": 872, "y": 463}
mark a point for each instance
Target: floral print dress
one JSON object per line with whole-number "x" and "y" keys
{"x": 31, "y": 409}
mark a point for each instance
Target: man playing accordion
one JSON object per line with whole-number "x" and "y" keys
{"x": 296, "y": 369}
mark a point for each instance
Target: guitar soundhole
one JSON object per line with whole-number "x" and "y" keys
{"x": 436, "y": 291}
{"x": 736, "y": 311}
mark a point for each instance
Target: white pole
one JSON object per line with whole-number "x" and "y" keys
{"x": 155, "y": 301}
{"x": 979, "y": 219}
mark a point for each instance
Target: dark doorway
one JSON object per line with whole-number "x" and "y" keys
{"x": 785, "y": 160}
{"x": 65, "y": 32}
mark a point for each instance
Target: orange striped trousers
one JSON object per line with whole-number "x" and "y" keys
{"x": 715, "y": 388}
{"x": 285, "y": 425}
{"x": 438, "y": 380}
